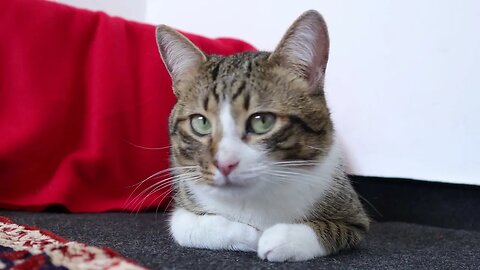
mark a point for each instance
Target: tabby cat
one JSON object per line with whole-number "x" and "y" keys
{"x": 254, "y": 155}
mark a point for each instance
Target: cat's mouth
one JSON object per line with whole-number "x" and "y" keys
{"x": 229, "y": 183}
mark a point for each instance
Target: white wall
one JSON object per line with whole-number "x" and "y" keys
{"x": 403, "y": 80}
{"x": 129, "y": 9}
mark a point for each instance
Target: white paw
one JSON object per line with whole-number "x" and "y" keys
{"x": 289, "y": 242}
{"x": 243, "y": 237}
{"x": 212, "y": 232}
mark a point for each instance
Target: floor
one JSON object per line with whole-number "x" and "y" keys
{"x": 144, "y": 238}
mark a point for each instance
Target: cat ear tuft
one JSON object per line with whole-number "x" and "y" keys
{"x": 181, "y": 57}
{"x": 304, "y": 49}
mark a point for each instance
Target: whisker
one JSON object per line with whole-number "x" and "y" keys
{"x": 171, "y": 197}
{"x": 171, "y": 200}
{"x": 277, "y": 180}
{"x": 295, "y": 161}
{"x": 165, "y": 195}
{"x": 305, "y": 178}
{"x": 298, "y": 165}
{"x": 158, "y": 188}
{"x": 316, "y": 148}
{"x": 165, "y": 171}
{"x": 292, "y": 173}
{"x": 168, "y": 180}
{"x": 145, "y": 147}
{"x": 162, "y": 184}
{"x": 129, "y": 202}
{"x": 369, "y": 203}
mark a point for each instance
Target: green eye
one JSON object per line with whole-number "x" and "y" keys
{"x": 261, "y": 123}
{"x": 200, "y": 125}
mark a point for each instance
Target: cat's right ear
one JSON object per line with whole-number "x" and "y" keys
{"x": 181, "y": 57}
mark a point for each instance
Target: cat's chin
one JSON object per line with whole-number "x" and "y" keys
{"x": 231, "y": 189}
{"x": 231, "y": 185}
{"x": 234, "y": 181}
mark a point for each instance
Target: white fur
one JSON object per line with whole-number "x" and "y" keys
{"x": 289, "y": 242}
{"x": 212, "y": 232}
{"x": 231, "y": 147}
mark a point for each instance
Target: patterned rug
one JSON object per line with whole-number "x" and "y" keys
{"x": 30, "y": 248}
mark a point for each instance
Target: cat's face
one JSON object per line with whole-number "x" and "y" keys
{"x": 242, "y": 120}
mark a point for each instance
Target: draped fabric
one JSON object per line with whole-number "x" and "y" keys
{"x": 80, "y": 93}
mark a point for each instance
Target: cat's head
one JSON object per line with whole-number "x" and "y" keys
{"x": 244, "y": 119}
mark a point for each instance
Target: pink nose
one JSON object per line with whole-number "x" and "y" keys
{"x": 226, "y": 167}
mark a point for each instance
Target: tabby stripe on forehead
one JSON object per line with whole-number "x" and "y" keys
{"x": 239, "y": 91}
{"x": 214, "y": 74}
{"x": 215, "y": 70}
{"x": 214, "y": 89}
{"x": 246, "y": 101}
{"x": 205, "y": 103}
{"x": 249, "y": 68}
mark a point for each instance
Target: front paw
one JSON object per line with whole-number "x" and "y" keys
{"x": 212, "y": 232}
{"x": 243, "y": 237}
{"x": 289, "y": 242}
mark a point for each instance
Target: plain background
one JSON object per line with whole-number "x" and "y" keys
{"x": 403, "y": 79}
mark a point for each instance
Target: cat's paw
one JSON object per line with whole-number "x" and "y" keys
{"x": 289, "y": 242}
{"x": 212, "y": 232}
{"x": 243, "y": 237}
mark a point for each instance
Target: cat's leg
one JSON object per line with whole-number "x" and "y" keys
{"x": 305, "y": 241}
{"x": 212, "y": 232}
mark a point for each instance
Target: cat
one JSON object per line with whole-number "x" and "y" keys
{"x": 256, "y": 162}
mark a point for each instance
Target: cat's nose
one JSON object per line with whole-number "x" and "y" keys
{"x": 226, "y": 167}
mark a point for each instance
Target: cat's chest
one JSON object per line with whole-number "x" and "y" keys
{"x": 264, "y": 216}
{"x": 264, "y": 210}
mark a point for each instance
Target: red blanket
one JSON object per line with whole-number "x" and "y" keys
{"x": 79, "y": 91}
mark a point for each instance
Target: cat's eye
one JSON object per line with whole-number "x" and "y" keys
{"x": 261, "y": 123}
{"x": 200, "y": 125}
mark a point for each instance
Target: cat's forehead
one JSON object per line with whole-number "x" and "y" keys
{"x": 248, "y": 81}
{"x": 240, "y": 64}
{"x": 234, "y": 78}
{"x": 233, "y": 75}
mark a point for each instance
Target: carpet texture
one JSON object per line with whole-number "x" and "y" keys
{"x": 144, "y": 238}
{"x": 25, "y": 247}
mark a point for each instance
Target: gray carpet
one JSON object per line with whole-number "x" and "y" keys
{"x": 143, "y": 237}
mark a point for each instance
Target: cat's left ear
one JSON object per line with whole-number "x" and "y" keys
{"x": 181, "y": 57}
{"x": 304, "y": 49}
